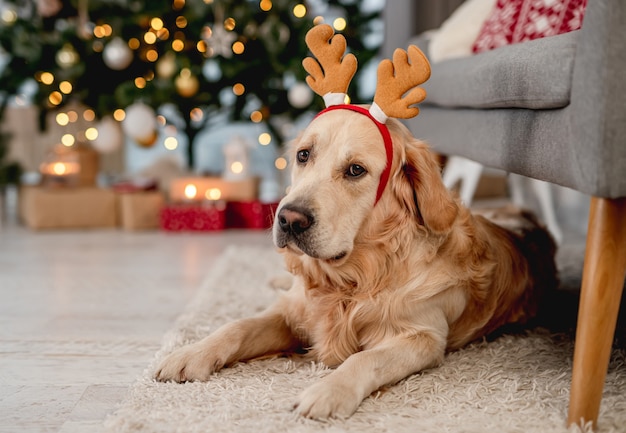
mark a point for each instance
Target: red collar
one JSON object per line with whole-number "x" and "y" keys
{"x": 384, "y": 131}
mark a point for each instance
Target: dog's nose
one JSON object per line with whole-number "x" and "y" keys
{"x": 294, "y": 220}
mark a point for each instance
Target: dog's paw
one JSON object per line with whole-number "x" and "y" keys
{"x": 195, "y": 362}
{"x": 327, "y": 400}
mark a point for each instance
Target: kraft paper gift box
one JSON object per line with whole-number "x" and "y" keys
{"x": 140, "y": 210}
{"x": 67, "y": 208}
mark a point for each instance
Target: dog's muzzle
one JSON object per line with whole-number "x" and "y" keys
{"x": 294, "y": 221}
{"x": 292, "y": 227}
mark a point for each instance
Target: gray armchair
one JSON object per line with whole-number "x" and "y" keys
{"x": 552, "y": 109}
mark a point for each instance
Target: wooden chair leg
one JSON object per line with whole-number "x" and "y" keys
{"x": 602, "y": 286}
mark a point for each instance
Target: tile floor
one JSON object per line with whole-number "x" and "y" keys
{"x": 83, "y": 312}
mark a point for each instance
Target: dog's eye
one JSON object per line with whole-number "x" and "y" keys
{"x": 355, "y": 170}
{"x": 303, "y": 156}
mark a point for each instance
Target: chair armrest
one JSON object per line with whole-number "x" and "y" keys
{"x": 597, "y": 114}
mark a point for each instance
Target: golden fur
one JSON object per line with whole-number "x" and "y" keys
{"x": 379, "y": 291}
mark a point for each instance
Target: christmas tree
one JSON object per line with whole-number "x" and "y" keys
{"x": 241, "y": 57}
{"x": 9, "y": 171}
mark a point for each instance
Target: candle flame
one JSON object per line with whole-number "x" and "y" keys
{"x": 213, "y": 194}
{"x": 190, "y": 190}
{"x": 59, "y": 168}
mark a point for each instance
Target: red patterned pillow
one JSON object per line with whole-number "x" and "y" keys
{"x": 513, "y": 21}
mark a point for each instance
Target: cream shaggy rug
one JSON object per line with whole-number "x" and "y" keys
{"x": 517, "y": 383}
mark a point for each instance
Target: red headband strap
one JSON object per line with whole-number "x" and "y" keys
{"x": 384, "y": 131}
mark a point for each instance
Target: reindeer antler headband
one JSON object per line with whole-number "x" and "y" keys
{"x": 330, "y": 74}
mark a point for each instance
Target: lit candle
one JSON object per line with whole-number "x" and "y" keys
{"x": 236, "y": 159}
{"x": 198, "y": 188}
{"x": 190, "y": 191}
{"x": 213, "y": 194}
{"x": 61, "y": 167}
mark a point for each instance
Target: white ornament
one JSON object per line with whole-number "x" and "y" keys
{"x": 166, "y": 66}
{"x": 221, "y": 41}
{"x": 236, "y": 159}
{"x": 117, "y": 55}
{"x": 67, "y": 56}
{"x": 211, "y": 70}
{"x": 300, "y": 95}
{"x": 140, "y": 123}
{"x": 110, "y": 137}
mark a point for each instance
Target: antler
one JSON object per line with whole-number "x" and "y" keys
{"x": 330, "y": 73}
{"x": 398, "y": 77}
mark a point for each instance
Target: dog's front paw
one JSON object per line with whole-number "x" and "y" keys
{"x": 195, "y": 362}
{"x": 328, "y": 400}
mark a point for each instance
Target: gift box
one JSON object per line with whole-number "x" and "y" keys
{"x": 51, "y": 208}
{"x": 140, "y": 210}
{"x": 250, "y": 215}
{"x": 190, "y": 217}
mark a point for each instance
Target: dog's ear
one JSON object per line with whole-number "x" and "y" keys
{"x": 423, "y": 192}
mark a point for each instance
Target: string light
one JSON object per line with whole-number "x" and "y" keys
{"x": 256, "y": 116}
{"x": 72, "y": 116}
{"x": 89, "y": 115}
{"x": 201, "y": 46}
{"x": 119, "y": 114}
{"x": 236, "y": 167}
{"x": 65, "y": 87}
{"x": 299, "y": 10}
{"x": 68, "y": 140}
{"x": 55, "y": 98}
{"x": 340, "y": 24}
{"x": 140, "y": 82}
{"x": 238, "y": 47}
{"x": 9, "y": 16}
{"x": 170, "y": 143}
{"x": 150, "y": 38}
{"x": 46, "y": 78}
{"x": 152, "y": 55}
{"x": 265, "y": 5}
{"x": 62, "y": 119}
{"x": 181, "y": 22}
{"x": 133, "y": 43}
{"x": 265, "y": 139}
{"x": 97, "y": 47}
{"x": 98, "y": 32}
{"x": 91, "y": 133}
{"x": 229, "y": 24}
{"x": 163, "y": 34}
{"x": 280, "y": 163}
{"x": 156, "y": 23}
{"x": 178, "y": 45}
{"x": 196, "y": 114}
{"x": 239, "y": 89}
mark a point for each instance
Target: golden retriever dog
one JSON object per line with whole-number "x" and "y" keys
{"x": 381, "y": 289}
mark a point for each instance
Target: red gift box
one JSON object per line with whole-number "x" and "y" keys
{"x": 193, "y": 218}
{"x": 250, "y": 214}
